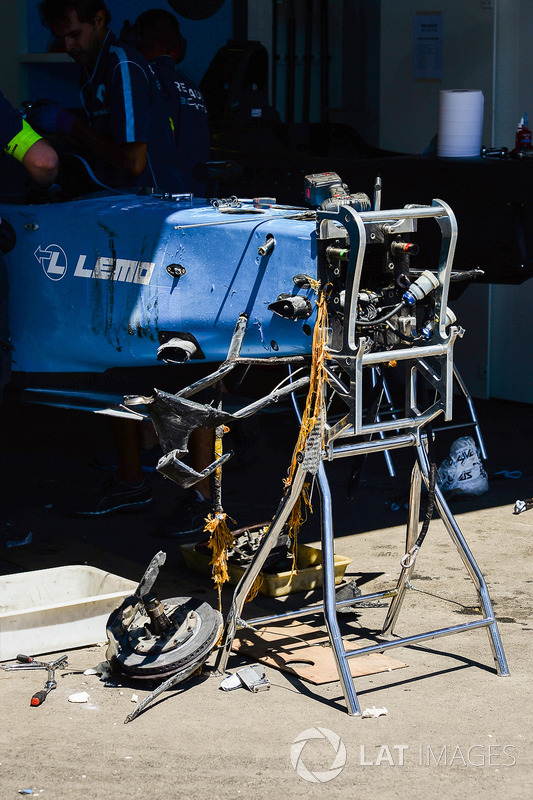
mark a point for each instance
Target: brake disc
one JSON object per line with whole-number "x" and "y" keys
{"x": 152, "y": 639}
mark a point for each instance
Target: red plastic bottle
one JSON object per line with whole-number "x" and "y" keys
{"x": 523, "y": 135}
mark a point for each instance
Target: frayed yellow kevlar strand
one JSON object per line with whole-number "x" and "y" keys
{"x": 221, "y": 538}
{"x": 315, "y": 396}
{"x": 312, "y": 415}
{"x": 254, "y": 591}
{"x": 296, "y": 519}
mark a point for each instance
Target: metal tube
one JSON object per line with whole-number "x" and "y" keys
{"x": 247, "y": 581}
{"x": 418, "y": 637}
{"x": 411, "y": 212}
{"x": 330, "y": 612}
{"x": 471, "y": 566}
{"x": 227, "y": 366}
{"x": 273, "y": 397}
{"x": 473, "y": 414}
{"x": 318, "y": 608}
{"x": 394, "y": 443}
{"x": 408, "y": 354}
{"x": 410, "y": 539}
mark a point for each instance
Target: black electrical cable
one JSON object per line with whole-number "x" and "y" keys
{"x": 432, "y": 481}
{"x": 367, "y": 323}
{"x": 430, "y": 507}
{"x": 404, "y": 336}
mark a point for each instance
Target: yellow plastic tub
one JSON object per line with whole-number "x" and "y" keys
{"x": 308, "y": 575}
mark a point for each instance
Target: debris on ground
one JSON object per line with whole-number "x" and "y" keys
{"x": 79, "y": 697}
{"x": 462, "y": 472}
{"x": 374, "y": 712}
{"x": 523, "y": 505}
{"x": 252, "y": 678}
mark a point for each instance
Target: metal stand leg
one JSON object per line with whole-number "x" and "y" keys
{"x": 471, "y": 566}
{"x": 247, "y": 581}
{"x": 419, "y": 473}
{"x": 411, "y": 536}
{"x": 329, "y": 607}
{"x": 328, "y": 567}
{"x": 386, "y": 454}
{"x": 473, "y": 414}
{"x": 330, "y": 610}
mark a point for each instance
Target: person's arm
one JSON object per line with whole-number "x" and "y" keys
{"x": 41, "y": 161}
{"x": 49, "y": 117}
{"x": 36, "y": 155}
{"x": 129, "y": 157}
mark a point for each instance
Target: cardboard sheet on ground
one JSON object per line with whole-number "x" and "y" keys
{"x": 299, "y": 649}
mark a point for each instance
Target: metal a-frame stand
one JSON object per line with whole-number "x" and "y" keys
{"x": 349, "y": 355}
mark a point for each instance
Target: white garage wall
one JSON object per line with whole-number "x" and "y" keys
{"x": 409, "y": 108}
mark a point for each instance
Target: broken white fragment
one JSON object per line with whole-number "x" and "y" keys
{"x": 79, "y": 697}
{"x": 374, "y": 712}
{"x": 103, "y": 669}
{"x": 252, "y": 678}
{"x": 231, "y": 682}
{"x": 135, "y": 698}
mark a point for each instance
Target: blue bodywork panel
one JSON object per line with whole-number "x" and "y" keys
{"x": 90, "y": 290}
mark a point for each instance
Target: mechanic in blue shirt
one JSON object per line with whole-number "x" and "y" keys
{"x": 19, "y": 140}
{"x": 127, "y": 131}
{"x": 156, "y": 34}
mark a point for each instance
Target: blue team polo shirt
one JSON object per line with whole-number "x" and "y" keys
{"x": 124, "y": 102}
{"x": 186, "y": 107}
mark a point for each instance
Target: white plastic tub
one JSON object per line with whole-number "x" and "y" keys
{"x": 55, "y": 609}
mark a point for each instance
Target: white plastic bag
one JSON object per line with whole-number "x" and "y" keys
{"x": 462, "y": 472}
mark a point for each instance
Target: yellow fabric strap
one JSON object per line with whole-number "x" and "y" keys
{"x": 21, "y": 143}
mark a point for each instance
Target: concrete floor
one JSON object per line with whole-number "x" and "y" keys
{"x": 452, "y": 726}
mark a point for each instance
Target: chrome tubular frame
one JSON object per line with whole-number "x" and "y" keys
{"x": 348, "y": 357}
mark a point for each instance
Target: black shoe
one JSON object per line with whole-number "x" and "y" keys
{"x": 116, "y": 495}
{"x": 188, "y": 520}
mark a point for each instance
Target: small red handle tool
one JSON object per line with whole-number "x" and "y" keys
{"x": 28, "y": 660}
{"x": 39, "y": 697}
